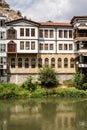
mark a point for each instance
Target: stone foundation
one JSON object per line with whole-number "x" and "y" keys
{"x": 20, "y": 78}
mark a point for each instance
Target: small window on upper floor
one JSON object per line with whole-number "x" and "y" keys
{"x": 41, "y": 33}
{"x": 60, "y": 46}
{"x": 65, "y": 34}
{"x": 60, "y": 33}
{"x": 46, "y": 33}
{"x": 51, "y": 47}
{"x": 70, "y": 47}
{"x": 27, "y": 32}
{"x": 46, "y": 46}
{"x": 21, "y": 32}
{"x": 32, "y": 45}
{"x": 51, "y": 33}
{"x": 70, "y": 34}
{"x": 41, "y": 46}
{"x": 32, "y": 32}
{"x": 21, "y": 45}
{"x": 2, "y": 23}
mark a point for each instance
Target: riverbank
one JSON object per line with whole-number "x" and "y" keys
{"x": 8, "y": 91}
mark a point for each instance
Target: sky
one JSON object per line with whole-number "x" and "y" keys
{"x": 50, "y": 10}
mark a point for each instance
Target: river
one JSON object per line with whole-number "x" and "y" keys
{"x": 43, "y": 114}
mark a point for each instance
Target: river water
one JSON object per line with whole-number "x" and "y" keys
{"x": 43, "y": 114}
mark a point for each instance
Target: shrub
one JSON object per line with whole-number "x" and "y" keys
{"x": 84, "y": 86}
{"x": 29, "y": 84}
{"x": 48, "y": 77}
{"x": 78, "y": 80}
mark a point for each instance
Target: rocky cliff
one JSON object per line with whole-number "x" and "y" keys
{"x": 10, "y": 13}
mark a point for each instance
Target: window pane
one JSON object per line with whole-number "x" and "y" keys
{"x": 41, "y": 46}
{"x": 19, "y": 62}
{"x": 70, "y": 47}
{"x": 27, "y": 32}
{"x": 60, "y": 47}
{"x": 65, "y": 33}
{"x": 13, "y": 63}
{"x": 46, "y": 46}
{"x": 21, "y": 45}
{"x": 33, "y": 63}
{"x": 59, "y": 63}
{"x": 32, "y": 45}
{"x": 51, "y": 33}
{"x": 46, "y": 33}
{"x": 53, "y": 63}
{"x": 60, "y": 33}
{"x": 65, "y": 47}
{"x": 27, "y": 45}
{"x": 51, "y": 46}
{"x": 26, "y": 63}
{"x": 39, "y": 62}
{"x": 21, "y": 31}
{"x": 70, "y": 33}
{"x": 32, "y": 32}
{"x": 65, "y": 63}
{"x": 40, "y": 33}
{"x": 46, "y": 61}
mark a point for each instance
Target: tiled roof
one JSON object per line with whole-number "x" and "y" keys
{"x": 50, "y": 23}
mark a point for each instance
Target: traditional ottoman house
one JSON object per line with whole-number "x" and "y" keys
{"x": 30, "y": 45}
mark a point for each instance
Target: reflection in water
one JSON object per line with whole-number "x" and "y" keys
{"x": 46, "y": 114}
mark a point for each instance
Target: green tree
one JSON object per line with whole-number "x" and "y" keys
{"x": 47, "y": 77}
{"x": 78, "y": 80}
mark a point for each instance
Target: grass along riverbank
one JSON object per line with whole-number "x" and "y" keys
{"x": 8, "y": 91}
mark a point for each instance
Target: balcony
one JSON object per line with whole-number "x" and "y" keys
{"x": 80, "y": 37}
{"x": 11, "y": 47}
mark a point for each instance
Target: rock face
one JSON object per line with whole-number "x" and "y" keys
{"x": 7, "y": 11}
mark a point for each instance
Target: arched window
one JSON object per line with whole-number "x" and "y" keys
{"x": 12, "y": 62}
{"x": 26, "y": 63}
{"x": 65, "y": 63}
{"x": 33, "y": 63}
{"x": 46, "y": 61}
{"x": 39, "y": 62}
{"x": 72, "y": 63}
{"x": 53, "y": 63}
{"x": 59, "y": 62}
{"x": 19, "y": 62}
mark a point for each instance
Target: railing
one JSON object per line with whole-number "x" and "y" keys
{"x": 11, "y": 37}
{"x": 80, "y": 35}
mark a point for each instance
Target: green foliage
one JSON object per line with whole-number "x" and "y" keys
{"x": 9, "y": 90}
{"x": 84, "y": 86}
{"x": 69, "y": 83}
{"x": 48, "y": 77}
{"x": 29, "y": 84}
{"x": 78, "y": 80}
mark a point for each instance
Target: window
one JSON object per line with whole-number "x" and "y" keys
{"x": 2, "y": 23}
{"x": 13, "y": 63}
{"x": 39, "y": 62}
{"x": 2, "y": 35}
{"x": 51, "y": 33}
{"x": 27, "y": 32}
{"x": 3, "y": 60}
{"x": 70, "y": 47}
{"x": 41, "y": 33}
{"x": 19, "y": 62}
{"x": 65, "y": 63}
{"x": 59, "y": 62}
{"x": 60, "y": 47}
{"x": 41, "y": 46}
{"x": 46, "y": 33}
{"x": 60, "y": 33}
{"x": 70, "y": 33}
{"x": 51, "y": 46}
{"x": 21, "y": 32}
{"x": 46, "y": 62}
{"x": 53, "y": 63}
{"x": 32, "y": 32}
{"x": 22, "y": 45}
{"x": 65, "y": 33}
{"x": 65, "y": 47}
{"x": 72, "y": 63}
{"x": 11, "y": 33}
{"x": 32, "y": 45}
{"x": 27, "y": 45}
{"x": 2, "y": 47}
{"x": 33, "y": 63}
{"x": 26, "y": 63}
{"x": 46, "y": 46}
